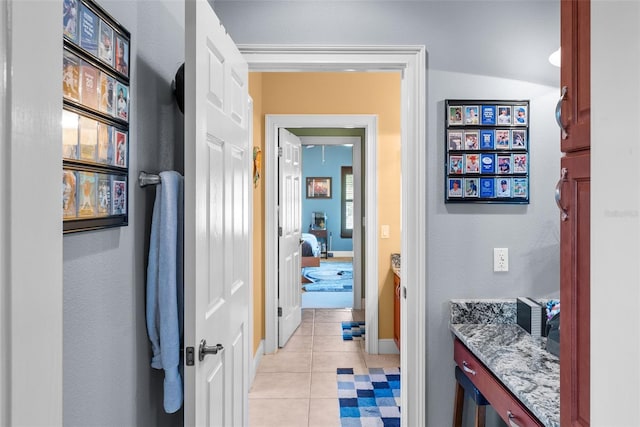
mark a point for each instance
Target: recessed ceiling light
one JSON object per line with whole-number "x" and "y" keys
{"x": 554, "y": 58}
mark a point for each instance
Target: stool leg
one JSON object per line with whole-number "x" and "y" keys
{"x": 458, "y": 405}
{"x": 481, "y": 411}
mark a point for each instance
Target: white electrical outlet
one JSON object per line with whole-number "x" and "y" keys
{"x": 500, "y": 259}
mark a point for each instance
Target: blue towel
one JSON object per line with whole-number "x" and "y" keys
{"x": 165, "y": 286}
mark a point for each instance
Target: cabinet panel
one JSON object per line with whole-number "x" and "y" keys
{"x": 575, "y": 291}
{"x": 396, "y": 310}
{"x": 575, "y": 73}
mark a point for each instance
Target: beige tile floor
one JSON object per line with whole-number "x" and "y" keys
{"x": 296, "y": 387}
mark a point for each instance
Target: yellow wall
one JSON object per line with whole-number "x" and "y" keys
{"x": 255, "y": 83}
{"x": 340, "y": 93}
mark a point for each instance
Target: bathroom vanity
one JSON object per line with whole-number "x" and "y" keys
{"x": 512, "y": 369}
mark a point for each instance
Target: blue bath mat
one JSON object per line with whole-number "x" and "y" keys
{"x": 371, "y": 399}
{"x": 352, "y": 330}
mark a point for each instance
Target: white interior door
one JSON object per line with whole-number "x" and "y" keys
{"x": 217, "y": 182}
{"x": 289, "y": 219}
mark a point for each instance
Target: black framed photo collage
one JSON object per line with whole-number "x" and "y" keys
{"x": 487, "y": 151}
{"x": 95, "y": 118}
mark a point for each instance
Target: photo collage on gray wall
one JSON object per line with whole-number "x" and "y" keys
{"x": 95, "y": 118}
{"x": 487, "y": 151}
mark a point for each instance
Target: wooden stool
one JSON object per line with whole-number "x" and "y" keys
{"x": 464, "y": 385}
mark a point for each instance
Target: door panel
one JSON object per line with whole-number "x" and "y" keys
{"x": 290, "y": 202}
{"x": 217, "y": 171}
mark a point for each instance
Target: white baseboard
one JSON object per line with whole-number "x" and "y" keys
{"x": 387, "y": 346}
{"x": 256, "y": 361}
{"x": 340, "y": 254}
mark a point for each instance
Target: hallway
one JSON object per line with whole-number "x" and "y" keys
{"x": 297, "y": 386}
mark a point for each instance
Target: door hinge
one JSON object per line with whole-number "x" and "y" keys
{"x": 279, "y": 231}
{"x": 189, "y": 356}
{"x": 280, "y": 151}
{"x": 279, "y": 311}
{"x": 404, "y": 292}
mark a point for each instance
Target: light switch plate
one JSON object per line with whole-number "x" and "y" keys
{"x": 384, "y": 231}
{"x": 500, "y": 259}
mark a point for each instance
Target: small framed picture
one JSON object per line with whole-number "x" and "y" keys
{"x": 122, "y": 55}
{"x": 88, "y": 146}
{"x": 504, "y": 164}
{"x": 105, "y": 144}
{"x": 471, "y": 115}
{"x": 520, "y": 187}
{"x": 502, "y": 139}
{"x": 503, "y": 186}
{"x": 107, "y": 94}
{"x": 455, "y": 140}
{"x": 504, "y": 115}
{"x": 105, "y": 43}
{"x": 69, "y": 135}
{"x": 471, "y": 163}
{"x": 120, "y": 148}
{"x": 455, "y": 187}
{"x": 118, "y": 196}
{"x": 487, "y": 163}
{"x": 87, "y": 194}
{"x": 471, "y": 187}
{"x": 122, "y": 101}
{"x": 89, "y": 85}
{"x": 70, "y": 19}
{"x": 520, "y": 115}
{"x": 520, "y": 163}
{"x": 455, "y": 164}
{"x": 488, "y": 115}
{"x": 318, "y": 187}
{"x": 70, "y": 76}
{"x": 518, "y": 139}
{"x": 104, "y": 194}
{"x": 471, "y": 139}
{"x": 69, "y": 189}
{"x": 89, "y": 28}
{"x": 486, "y": 139}
{"x": 455, "y": 115}
{"x": 487, "y": 188}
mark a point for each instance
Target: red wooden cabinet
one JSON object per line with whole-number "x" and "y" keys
{"x": 396, "y": 310}
{"x": 573, "y": 196}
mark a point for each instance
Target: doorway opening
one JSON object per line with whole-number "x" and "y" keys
{"x": 411, "y": 62}
{"x": 330, "y": 279}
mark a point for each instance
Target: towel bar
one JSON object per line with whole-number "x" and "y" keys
{"x": 145, "y": 179}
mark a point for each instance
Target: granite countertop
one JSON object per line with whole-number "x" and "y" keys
{"x": 517, "y": 359}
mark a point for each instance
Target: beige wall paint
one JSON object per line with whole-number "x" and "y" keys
{"x": 255, "y": 85}
{"x": 338, "y": 93}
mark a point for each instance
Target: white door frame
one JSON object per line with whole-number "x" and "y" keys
{"x": 272, "y": 123}
{"x": 411, "y": 62}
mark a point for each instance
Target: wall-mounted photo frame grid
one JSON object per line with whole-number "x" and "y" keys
{"x": 486, "y": 151}
{"x": 95, "y": 118}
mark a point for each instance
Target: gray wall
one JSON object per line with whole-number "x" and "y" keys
{"x": 466, "y": 58}
{"x": 107, "y": 377}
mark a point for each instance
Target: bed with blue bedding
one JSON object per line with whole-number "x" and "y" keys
{"x": 310, "y": 250}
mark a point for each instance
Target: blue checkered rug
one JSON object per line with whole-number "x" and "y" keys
{"x": 352, "y": 331}
{"x": 371, "y": 400}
